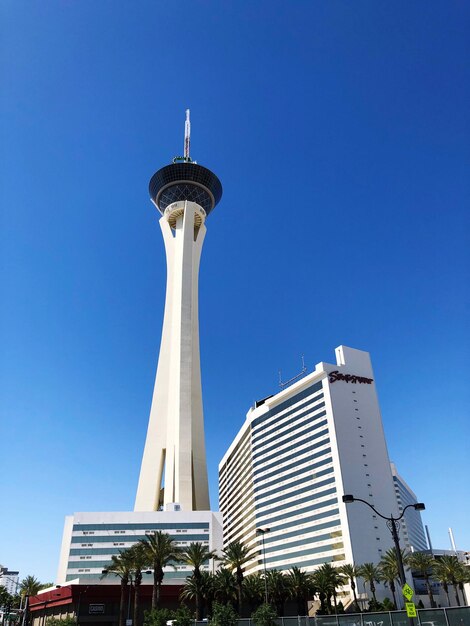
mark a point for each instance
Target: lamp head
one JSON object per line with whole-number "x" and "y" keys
{"x": 347, "y": 498}
{"x": 262, "y": 531}
{"x": 419, "y": 506}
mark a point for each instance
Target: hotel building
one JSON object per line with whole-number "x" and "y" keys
{"x": 296, "y": 454}
{"x": 414, "y": 538}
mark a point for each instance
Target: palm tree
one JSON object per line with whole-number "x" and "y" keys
{"x": 422, "y": 563}
{"x": 300, "y": 588}
{"x": 196, "y": 555}
{"x": 30, "y": 586}
{"x": 371, "y": 575}
{"x": 121, "y": 566}
{"x": 160, "y": 550}
{"x": 447, "y": 570}
{"x": 225, "y": 586}
{"x": 201, "y": 590}
{"x": 351, "y": 572}
{"x": 235, "y": 556}
{"x": 278, "y": 589}
{"x": 253, "y": 590}
{"x": 208, "y": 590}
{"x": 462, "y": 579}
{"x": 390, "y": 571}
{"x": 139, "y": 562}
{"x": 321, "y": 580}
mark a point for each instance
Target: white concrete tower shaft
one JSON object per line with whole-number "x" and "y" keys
{"x": 173, "y": 470}
{"x": 174, "y": 455}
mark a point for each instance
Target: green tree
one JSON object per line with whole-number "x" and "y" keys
{"x": 462, "y": 579}
{"x": 160, "y": 550}
{"x": 138, "y": 561}
{"x": 278, "y": 589}
{"x": 223, "y": 615}
{"x": 327, "y": 579}
{"x": 371, "y": 575}
{"x": 322, "y": 584}
{"x": 225, "y": 586}
{"x": 300, "y": 588}
{"x": 196, "y": 555}
{"x": 157, "y": 617}
{"x": 422, "y": 563}
{"x": 201, "y": 589}
{"x": 351, "y": 572}
{"x": 253, "y": 590}
{"x": 121, "y": 566}
{"x": 235, "y": 556}
{"x": 447, "y": 569}
{"x": 264, "y": 615}
{"x": 30, "y": 586}
{"x": 183, "y": 617}
{"x": 390, "y": 571}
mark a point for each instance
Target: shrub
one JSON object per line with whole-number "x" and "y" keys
{"x": 388, "y": 605}
{"x": 68, "y": 620}
{"x": 183, "y": 617}
{"x": 156, "y": 617}
{"x": 223, "y": 615}
{"x": 264, "y": 615}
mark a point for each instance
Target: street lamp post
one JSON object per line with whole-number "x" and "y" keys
{"x": 262, "y": 532}
{"x": 393, "y": 524}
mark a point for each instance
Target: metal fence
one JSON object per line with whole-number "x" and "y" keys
{"x": 457, "y": 616}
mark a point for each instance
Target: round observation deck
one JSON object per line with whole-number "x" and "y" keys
{"x": 185, "y": 181}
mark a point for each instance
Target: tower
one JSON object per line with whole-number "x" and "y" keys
{"x": 173, "y": 472}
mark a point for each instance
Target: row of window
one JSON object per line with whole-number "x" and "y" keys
{"x": 307, "y": 498}
{"x": 294, "y": 446}
{"x": 286, "y": 404}
{"x": 97, "y": 575}
{"x": 310, "y": 562}
{"x": 298, "y": 450}
{"x": 264, "y": 437}
{"x": 319, "y": 549}
{"x": 271, "y": 536}
{"x": 307, "y": 520}
{"x": 103, "y": 564}
{"x": 302, "y": 542}
{"x": 260, "y": 476}
{"x": 107, "y": 551}
{"x": 266, "y": 518}
{"x": 150, "y": 527}
{"x": 135, "y": 538}
{"x": 310, "y": 478}
{"x": 281, "y": 438}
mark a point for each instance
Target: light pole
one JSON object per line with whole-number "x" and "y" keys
{"x": 393, "y": 524}
{"x": 262, "y": 532}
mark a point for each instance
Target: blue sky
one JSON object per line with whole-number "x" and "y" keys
{"x": 340, "y": 132}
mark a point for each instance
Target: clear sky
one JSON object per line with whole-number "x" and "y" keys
{"x": 340, "y": 132}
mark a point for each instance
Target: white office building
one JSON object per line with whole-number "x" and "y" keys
{"x": 9, "y": 580}
{"x": 90, "y": 539}
{"x": 414, "y": 538}
{"x": 295, "y": 456}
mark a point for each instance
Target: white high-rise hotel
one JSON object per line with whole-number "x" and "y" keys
{"x": 172, "y": 493}
{"x": 295, "y": 456}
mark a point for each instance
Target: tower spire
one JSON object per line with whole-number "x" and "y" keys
{"x": 187, "y": 135}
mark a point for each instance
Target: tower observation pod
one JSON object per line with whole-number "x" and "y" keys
{"x": 173, "y": 474}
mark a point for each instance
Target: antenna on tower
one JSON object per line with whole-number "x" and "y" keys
{"x": 187, "y": 140}
{"x": 187, "y": 135}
